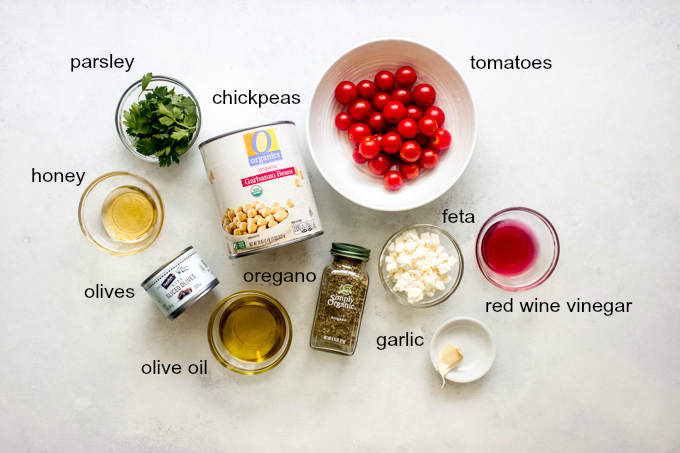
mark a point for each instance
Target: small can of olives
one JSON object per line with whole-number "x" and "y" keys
{"x": 180, "y": 282}
{"x": 342, "y": 297}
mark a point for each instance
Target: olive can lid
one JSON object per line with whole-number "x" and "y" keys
{"x": 350, "y": 251}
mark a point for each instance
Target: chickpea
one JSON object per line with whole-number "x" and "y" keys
{"x": 258, "y": 217}
{"x": 261, "y": 222}
{"x": 265, "y": 212}
{"x": 252, "y": 228}
{"x": 272, "y": 223}
{"x": 277, "y": 209}
{"x": 296, "y": 182}
{"x": 274, "y": 205}
{"x": 289, "y": 203}
{"x": 243, "y": 226}
{"x": 252, "y": 212}
{"x": 231, "y": 214}
{"x": 233, "y": 225}
{"x": 262, "y": 228}
{"x": 279, "y": 216}
{"x": 238, "y": 233}
{"x": 269, "y": 218}
{"x": 251, "y": 221}
{"x": 239, "y": 209}
{"x": 241, "y": 216}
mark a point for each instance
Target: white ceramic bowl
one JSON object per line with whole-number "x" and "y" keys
{"x": 474, "y": 339}
{"x": 332, "y": 151}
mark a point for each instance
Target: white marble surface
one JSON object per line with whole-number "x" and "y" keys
{"x": 592, "y": 143}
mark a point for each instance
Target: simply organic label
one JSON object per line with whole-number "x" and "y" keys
{"x": 262, "y": 147}
{"x": 343, "y": 298}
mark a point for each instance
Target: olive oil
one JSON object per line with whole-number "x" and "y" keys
{"x": 129, "y": 214}
{"x": 252, "y": 329}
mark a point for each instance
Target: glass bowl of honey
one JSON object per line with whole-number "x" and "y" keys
{"x": 121, "y": 213}
{"x": 517, "y": 249}
{"x": 249, "y": 332}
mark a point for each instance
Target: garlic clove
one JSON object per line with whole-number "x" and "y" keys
{"x": 449, "y": 358}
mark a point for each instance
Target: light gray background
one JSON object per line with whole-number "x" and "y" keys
{"x": 592, "y": 143}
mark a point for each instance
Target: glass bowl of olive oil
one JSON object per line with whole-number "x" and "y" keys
{"x": 250, "y": 332}
{"x": 121, "y": 213}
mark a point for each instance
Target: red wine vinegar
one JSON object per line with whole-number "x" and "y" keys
{"x": 509, "y": 248}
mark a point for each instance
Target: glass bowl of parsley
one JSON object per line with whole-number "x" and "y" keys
{"x": 158, "y": 119}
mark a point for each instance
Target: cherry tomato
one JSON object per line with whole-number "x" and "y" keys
{"x": 393, "y": 180}
{"x": 422, "y": 139}
{"x": 437, "y": 114}
{"x": 369, "y": 147}
{"x": 410, "y": 151}
{"x": 429, "y": 159}
{"x": 377, "y": 122}
{"x": 378, "y": 137}
{"x": 357, "y": 131}
{"x": 358, "y": 158}
{"x": 427, "y": 126}
{"x": 380, "y": 100}
{"x": 394, "y": 112}
{"x": 346, "y": 92}
{"x": 410, "y": 171}
{"x": 402, "y": 95}
{"x": 367, "y": 90}
{"x": 405, "y": 76}
{"x": 440, "y": 140}
{"x": 414, "y": 112}
{"x": 384, "y": 81}
{"x": 424, "y": 95}
{"x": 343, "y": 121}
{"x": 380, "y": 164}
{"x": 407, "y": 128}
{"x": 360, "y": 110}
{"x": 391, "y": 143}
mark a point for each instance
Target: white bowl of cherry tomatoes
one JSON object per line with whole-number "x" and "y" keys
{"x": 391, "y": 125}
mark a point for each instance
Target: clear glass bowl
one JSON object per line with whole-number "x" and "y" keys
{"x": 90, "y": 213}
{"x": 450, "y": 245}
{"x": 130, "y": 97}
{"x": 547, "y": 250}
{"x": 227, "y": 359}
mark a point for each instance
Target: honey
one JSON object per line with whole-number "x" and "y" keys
{"x": 252, "y": 329}
{"x": 129, "y": 214}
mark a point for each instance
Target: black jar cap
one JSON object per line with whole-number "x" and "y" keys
{"x": 350, "y": 251}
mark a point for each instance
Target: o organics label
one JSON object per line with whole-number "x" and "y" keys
{"x": 262, "y": 147}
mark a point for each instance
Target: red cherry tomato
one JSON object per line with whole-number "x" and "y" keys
{"x": 377, "y": 122}
{"x": 429, "y": 159}
{"x": 437, "y": 114}
{"x": 346, "y": 92}
{"x": 440, "y": 140}
{"x": 427, "y": 126}
{"x": 410, "y": 151}
{"x": 414, "y": 112}
{"x": 380, "y": 100}
{"x": 369, "y": 147}
{"x": 360, "y": 110}
{"x": 367, "y": 90}
{"x": 410, "y": 171}
{"x": 424, "y": 95}
{"x": 391, "y": 143}
{"x": 394, "y": 112}
{"x": 384, "y": 81}
{"x": 405, "y": 76}
{"x": 343, "y": 121}
{"x": 358, "y": 158}
{"x": 407, "y": 128}
{"x": 380, "y": 164}
{"x": 357, "y": 131}
{"x": 378, "y": 137}
{"x": 402, "y": 95}
{"x": 422, "y": 140}
{"x": 393, "y": 180}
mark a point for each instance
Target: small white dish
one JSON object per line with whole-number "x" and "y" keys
{"x": 474, "y": 339}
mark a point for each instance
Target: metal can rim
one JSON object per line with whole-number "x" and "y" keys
{"x": 243, "y": 130}
{"x": 164, "y": 266}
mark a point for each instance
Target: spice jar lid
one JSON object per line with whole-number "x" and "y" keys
{"x": 350, "y": 251}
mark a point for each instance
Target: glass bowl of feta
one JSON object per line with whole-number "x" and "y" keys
{"x": 421, "y": 265}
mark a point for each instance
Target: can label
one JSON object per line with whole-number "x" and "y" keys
{"x": 181, "y": 281}
{"x": 262, "y": 189}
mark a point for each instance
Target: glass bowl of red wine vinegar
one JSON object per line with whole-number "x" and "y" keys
{"x": 517, "y": 249}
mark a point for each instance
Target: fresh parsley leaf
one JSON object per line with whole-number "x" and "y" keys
{"x": 163, "y": 122}
{"x": 145, "y": 81}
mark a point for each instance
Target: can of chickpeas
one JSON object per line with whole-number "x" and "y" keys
{"x": 261, "y": 187}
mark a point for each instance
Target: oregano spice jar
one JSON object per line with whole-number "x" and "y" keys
{"x": 341, "y": 300}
